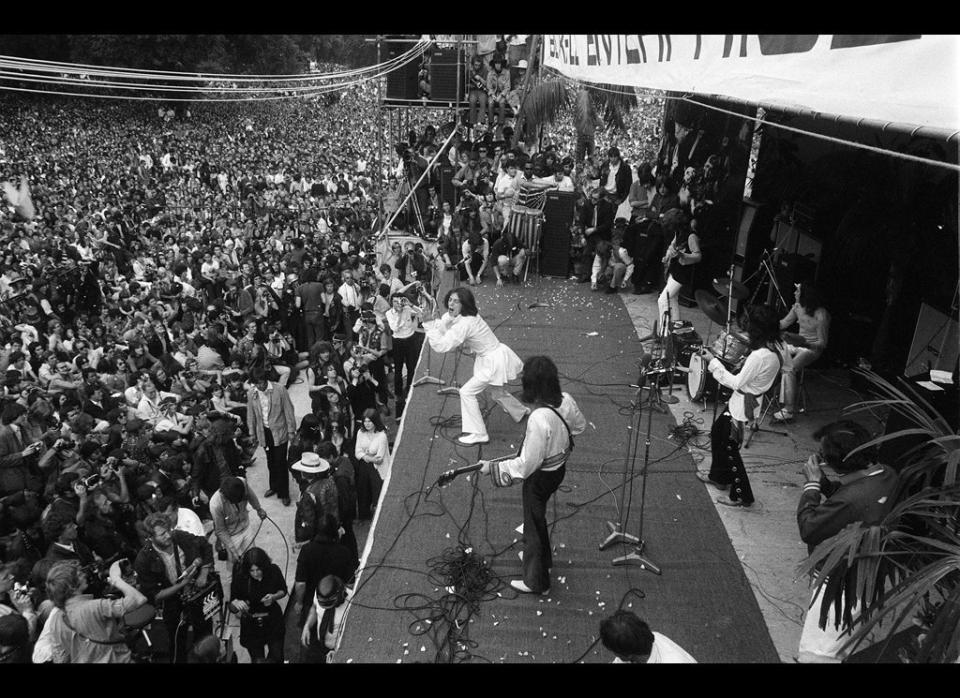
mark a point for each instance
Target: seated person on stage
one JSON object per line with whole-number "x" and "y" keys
{"x": 814, "y": 321}
{"x": 510, "y": 255}
{"x": 633, "y": 642}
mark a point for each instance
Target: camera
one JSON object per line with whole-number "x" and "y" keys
{"x": 91, "y": 481}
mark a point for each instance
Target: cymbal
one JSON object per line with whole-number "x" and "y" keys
{"x": 726, "y": 286}
{"x": 795, "y": 339}
{"x": 711, "y": 306}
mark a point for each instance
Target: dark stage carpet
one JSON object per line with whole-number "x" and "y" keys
{"x": 702, "y": 600}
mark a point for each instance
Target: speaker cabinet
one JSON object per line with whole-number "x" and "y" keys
{"x": 402, "y": 82}
{"x": 448, "y": 192}
{"x": 443, "y": 75}
{"x": 555, "y": 240}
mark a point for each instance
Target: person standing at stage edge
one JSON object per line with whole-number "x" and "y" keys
{"x": 495, "y": 365}
{"x": 271, "y": 420}
{"x": 541, "y": 464}
{"x": 756, "y": 376}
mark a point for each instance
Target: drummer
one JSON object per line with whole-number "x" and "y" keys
{"x": 758, "y": 373}
{"x": 804, "y": 348}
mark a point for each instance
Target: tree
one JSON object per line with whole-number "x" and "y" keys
{"x": 543, "y": 100}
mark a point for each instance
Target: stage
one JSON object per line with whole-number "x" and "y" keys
{"x": 702, "y": 600}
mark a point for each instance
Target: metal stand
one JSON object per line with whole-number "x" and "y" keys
{"x": 427, "y": 378}
{"x": 454, "y": 387}
{"x": 657, "y": 400}
{"x": 616, "y": 534}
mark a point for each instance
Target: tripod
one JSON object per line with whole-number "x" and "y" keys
{"x": 766, "y": 275}
{"x": 617, "y": 535}
{"x": 413, "y": 203}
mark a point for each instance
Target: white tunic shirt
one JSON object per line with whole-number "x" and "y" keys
{"x": 545, "y": 436}
{"x": 496, "y": 363}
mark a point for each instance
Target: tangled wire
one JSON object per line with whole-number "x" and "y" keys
{"x": 467, "y": 580}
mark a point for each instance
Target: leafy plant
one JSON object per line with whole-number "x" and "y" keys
{"x": 907, "y": 568}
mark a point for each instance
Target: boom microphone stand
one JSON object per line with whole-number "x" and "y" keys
{"x": 427, "y": 378}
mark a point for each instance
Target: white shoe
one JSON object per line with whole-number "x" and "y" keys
{"x": 524, "y": 589}
{"x": 471, "y": 439}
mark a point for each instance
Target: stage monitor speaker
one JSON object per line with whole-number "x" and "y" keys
{"x": 558, "y": 212}
{"x": 443, "y": 75}
{"x": 448, "y": 192}
{"x": 402, "y": 82}
{"x": 935, "y": 343}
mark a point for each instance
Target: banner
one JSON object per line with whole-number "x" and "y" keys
{"x": 906, "y": 78}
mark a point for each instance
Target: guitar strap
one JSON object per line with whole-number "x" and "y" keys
{"x": 503, "y": 479}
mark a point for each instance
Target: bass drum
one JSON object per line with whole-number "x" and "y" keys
{"x": 700, "y": 382}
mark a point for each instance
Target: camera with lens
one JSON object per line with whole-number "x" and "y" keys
{"x": 91, "y": 481}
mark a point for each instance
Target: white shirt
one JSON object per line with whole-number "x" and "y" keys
{"x": 565, "y": 184}
{"x": 611, "y": 183}
{"x": 402, "y": 324}
{"x": 757, "y": 375}
{"x": 665, "y": 651}
{"x": 545, "y": 436}
{"x": 349, "y": 295}
{"x": 263, "y": 396}
{"x": 187, "y": 520}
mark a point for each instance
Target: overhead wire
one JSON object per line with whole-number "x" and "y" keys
{"x": 813, "y": 134}
{"x": 59, "y": 67}
{"x": 237, "y": 94}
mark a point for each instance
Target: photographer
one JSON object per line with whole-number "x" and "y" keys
{"x": 88, "y": 629}
{"x": 403, "y": 318}
{"x": 65, "y": 543}
{"x": 167, "y": 565}
{"x": 18, "y": 464}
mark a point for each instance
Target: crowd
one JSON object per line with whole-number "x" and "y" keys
{"x": 182, "y": 269}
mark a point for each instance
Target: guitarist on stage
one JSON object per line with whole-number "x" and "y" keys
{"x": 678, "y": 263}
{"x": 541, "y": 464}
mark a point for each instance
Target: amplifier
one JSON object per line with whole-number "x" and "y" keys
{"x": 558, "y": 212}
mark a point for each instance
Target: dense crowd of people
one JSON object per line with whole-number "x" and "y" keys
{"x": 181, "y": 270}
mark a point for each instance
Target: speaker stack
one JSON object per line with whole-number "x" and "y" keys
{"x": 443, "y": 75}
{"x": 402, "y": 82}
{"x": 555, "y": 238}
{"x": 448, "y": 192}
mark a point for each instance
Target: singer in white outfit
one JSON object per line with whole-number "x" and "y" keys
{"x": 496, "y": 364}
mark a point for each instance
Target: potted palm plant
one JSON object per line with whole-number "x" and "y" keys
{"x": 906, "y": 570}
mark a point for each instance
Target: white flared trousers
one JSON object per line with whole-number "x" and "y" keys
{"x": 470, "y": 415}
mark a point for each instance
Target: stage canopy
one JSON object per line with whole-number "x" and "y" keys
{"x": 903, "y": 79}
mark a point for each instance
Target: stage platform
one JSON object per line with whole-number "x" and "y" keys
{"x": 702, "y": 600}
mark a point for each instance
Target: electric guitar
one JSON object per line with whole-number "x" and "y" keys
{"x": 450, "y": 475}
{"x": 672, "y": 252}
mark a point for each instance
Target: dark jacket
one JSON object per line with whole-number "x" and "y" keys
{"x": 206, "y": 475}
{"x": 16, "y": 471}
{"x": 863, "y": 496}
{"x": 624, "y": 179}
{"x": 152, "y": 574}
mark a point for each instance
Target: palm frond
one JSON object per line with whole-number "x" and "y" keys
{"x": 584, "y": 113}
{"x": 544, "y": 101}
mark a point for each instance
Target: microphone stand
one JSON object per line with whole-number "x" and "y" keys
{"x": 616, "y": 535}
{"x": 427, "y": 378}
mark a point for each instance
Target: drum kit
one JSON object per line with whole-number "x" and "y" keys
{"x": 730, "y": 346}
